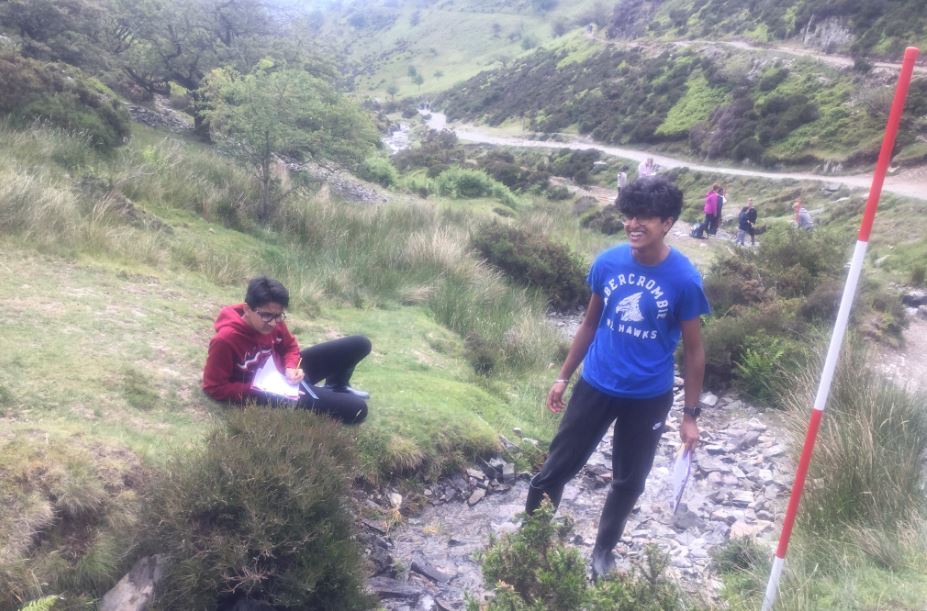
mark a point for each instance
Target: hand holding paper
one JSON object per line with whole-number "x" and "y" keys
{"x": 270, "y": 380}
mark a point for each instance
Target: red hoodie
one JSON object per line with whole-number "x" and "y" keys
{"x": 238, "y": 350}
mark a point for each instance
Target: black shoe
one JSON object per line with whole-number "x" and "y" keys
{"x": 603, "y": 563}
{"x": 363, "y": 394}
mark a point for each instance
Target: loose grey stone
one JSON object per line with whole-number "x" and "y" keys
{"x": 387, "y": 587}
{"x": 508, "y": 473}
{"x": 432, "y": 573}
{"x": 476, "y": 497}
{"x": 135, "y": 590}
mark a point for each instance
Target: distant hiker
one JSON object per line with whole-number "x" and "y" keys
{"x": 751, "y": 221}
{"x": 710, "y": 208}
{"x": 746, "y": 224}
{"x": 716, "y": 218}
{"x": 802, "y": 216}
{"x": 645, "y": 296}
{"x": 622, "y": 181}
{"x": 249, "y": 334}
{"x": 647, "y": 168}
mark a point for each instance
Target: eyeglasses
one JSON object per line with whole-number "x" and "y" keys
{"x": 271, "y": 317}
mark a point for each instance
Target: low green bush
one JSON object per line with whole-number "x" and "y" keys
{"x": 62, "y": 96}
{"x": 740, "y": 554}
{"x": 534, "y": 569}
{"x": 557, "y": 193}
{"x": 464, "y": 183}
{"x": 763, "y": 366}
{"x": 535, "y": 261}
{"x": 379, "y": 170}
{"x": 260, "y": 511}
{"x": 727, "y": 337}
{"x": 538, "y": 568}
{"x": 607, "y": 220}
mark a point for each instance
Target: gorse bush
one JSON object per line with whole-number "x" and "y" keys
{"x": 260, "y": 512}
{"x": 534, "y": 569}
{"x": 769, "y": 301}
{"x": 534, "y": 261}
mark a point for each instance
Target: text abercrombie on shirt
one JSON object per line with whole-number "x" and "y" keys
{"x": 631, "y": 354}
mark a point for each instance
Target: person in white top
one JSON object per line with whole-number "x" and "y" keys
{"x": 622, "y": 181}
{"x": 647, "y": 168}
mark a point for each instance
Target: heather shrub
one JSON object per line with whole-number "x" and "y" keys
{"x": 557, "y": 193}
{"x": 259, "y": 512}
{"x": 538, "y": 568}
{"x": 534, "y": 568}
{"x": 535, "y": 261}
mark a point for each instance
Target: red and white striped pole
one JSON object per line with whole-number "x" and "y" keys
{"x": 840, "y": 326}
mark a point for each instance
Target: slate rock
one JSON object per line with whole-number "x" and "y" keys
{"x": 423, "y": 568}
{"x": 387, "y": 587}
{"x": 476, "y": 497}
{"x": 135, "y": 590}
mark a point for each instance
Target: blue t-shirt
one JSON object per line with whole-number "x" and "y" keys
{"x": 631, "y": 354}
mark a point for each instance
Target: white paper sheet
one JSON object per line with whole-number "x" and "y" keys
{"x": 680, "y": 475}
{"x": 269, "y": 379}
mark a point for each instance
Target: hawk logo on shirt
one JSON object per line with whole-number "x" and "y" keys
{"x": 630, "y": 308}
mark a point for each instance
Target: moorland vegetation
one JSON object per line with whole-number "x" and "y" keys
{"x": 120, "y": 242}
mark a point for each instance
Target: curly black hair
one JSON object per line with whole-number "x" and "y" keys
{"x": 651, "y": 196}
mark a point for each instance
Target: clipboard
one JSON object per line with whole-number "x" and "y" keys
{"x": 680, "y": 475}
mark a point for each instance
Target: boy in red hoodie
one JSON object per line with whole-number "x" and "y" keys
{"x": 248, "y": 334}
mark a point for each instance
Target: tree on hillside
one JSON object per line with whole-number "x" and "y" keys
{"x": 75, "y": 32}
{"x": 181, "y": 42}
{"x": 275, "y": 110}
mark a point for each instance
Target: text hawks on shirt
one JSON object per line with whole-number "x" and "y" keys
{"x": 628, "y": 309}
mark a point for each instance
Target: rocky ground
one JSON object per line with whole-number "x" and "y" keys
{"x": 738, "y": 486}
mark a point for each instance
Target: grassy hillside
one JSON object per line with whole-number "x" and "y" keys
{"x": 414, "y": 48}
{"x": 411, "y": 49}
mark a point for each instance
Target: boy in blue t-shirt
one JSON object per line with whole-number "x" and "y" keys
{"x": 645, "y": 297}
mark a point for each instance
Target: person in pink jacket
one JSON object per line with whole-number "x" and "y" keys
{"x": 711, "y": 207}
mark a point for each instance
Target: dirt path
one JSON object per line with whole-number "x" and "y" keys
{"x": 838, "y": 61}
{"x": 908, "y": 365}
{"x": 910, "y": 183}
